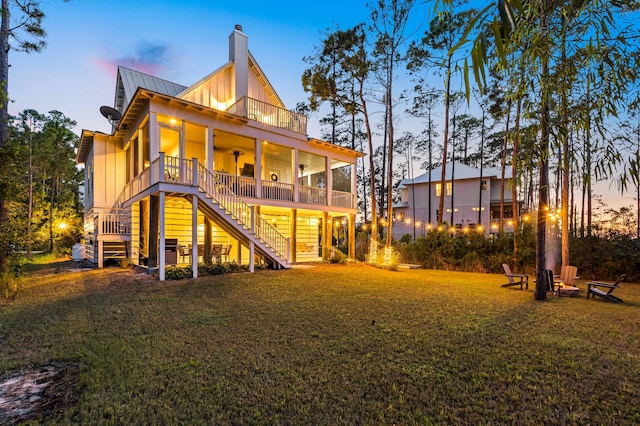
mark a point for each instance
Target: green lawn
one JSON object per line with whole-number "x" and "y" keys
{"x": 331, "y": 344}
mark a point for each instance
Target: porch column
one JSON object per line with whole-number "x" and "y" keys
{"x": 100, "y": 254}
{"x": 209, "y": 140}
{"x": 194, "y": 236}
{"x": 154, "y": 136}
{"x": 181, "y": 149}
{"x": 326, "y": 235}
{"x": 161, "y": 226}
{"x": 153, "y": 232}
{"x": 352, "y": 236}
{"x": 296, "y": 181}
{"x": 294, "y": 236}
{"x": 258, "y": 168}
{"x": 251, "y": 256}
{"x": 354, "y": 187}
{"x": 329, "y": 181}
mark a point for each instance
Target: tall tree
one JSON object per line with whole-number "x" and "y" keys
{"x": 438, "y": 48}
{"x": 354, "y": 60}
{"x": 534, "y": 27}
{"x": 389, "y": 19}
{"x": 425, "y": 100}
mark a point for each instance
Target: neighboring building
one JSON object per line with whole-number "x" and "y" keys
{"x": 466, "y": 206}
{"x": 216, "y": 170}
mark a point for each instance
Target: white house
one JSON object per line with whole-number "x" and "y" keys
{"x": 472, "y": 200}
{"x": 219, "y": 170}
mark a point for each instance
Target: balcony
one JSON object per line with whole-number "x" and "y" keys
{"x": 271, "y": 115}
{"x": 180, "y": 171}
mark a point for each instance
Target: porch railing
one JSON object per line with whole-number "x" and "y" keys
{"x": 342, "y": 199}
{"x": 312, "y": 195}
{"x": 220, "y": 192}
{"x": 272, "y": 115}
{"x": 112, "y": 222}
{"x": 277, "y": 190}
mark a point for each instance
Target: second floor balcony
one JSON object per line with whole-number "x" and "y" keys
{"x": 272, "y": 115}
{"x": 175, "y": 170}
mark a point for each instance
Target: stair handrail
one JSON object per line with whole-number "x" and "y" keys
{"x": 214, "y": 188}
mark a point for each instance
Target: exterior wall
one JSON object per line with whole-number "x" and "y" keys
{"x": 108, "y": 167}
{"x": 465, "y": 197}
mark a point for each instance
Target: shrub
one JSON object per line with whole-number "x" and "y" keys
{"x": 178, "y": 272}
{"x": 337, "y": 256}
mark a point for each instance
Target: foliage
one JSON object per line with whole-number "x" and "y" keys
{"x": 181, "y": 272}
{"x": 11, "y": 277}
{"x": 40, "y": 184}
{"x": 337, "y": 256}
{"x": 327, "y": 345}
{"x": 470, "y": 252}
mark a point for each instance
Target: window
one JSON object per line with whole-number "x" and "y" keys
{"x": 454, "y": 210}
{"x": 136, "y": 156}
{"x": 478, "y": 209}
{"x": 127, "y": 164}
{"x": 449, "y": 188}
{"x": 438, "y": 189}
{"x": 484, "y": 185}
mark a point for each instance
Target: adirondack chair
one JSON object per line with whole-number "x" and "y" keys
{"x": 564, "y": 284}
{"x": 515, "y": 279}
{"x": 593, "y": 289}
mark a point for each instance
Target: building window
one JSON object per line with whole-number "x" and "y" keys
{"x": 454, "y": 210}
{"x": 449, "y": 188}
{"x": 438, "y": 189}
{"x": 484, "y": 185}
{"x": 478, "y": 209}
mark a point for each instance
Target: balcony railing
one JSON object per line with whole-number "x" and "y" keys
{"x": 342, "y": 199}
{"x": 112, "y": 222}
{"x": 180, "y": 171}
{"x": 277, "y": 191}
{"x": 272, "y": 115}
{"x": 312, "y": 195}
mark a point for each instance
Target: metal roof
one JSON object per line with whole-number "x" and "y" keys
{"x": 129, "y": 81}
{"x": 462, "y": 171}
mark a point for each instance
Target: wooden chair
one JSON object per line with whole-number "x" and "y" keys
{"x": 593, "y": 289}
{"x": 564, "y": 284}
{"x": 224, "y": 252}
{"x": 515, "y": 279}
{"x": 184, "y": 253}
{"x": 216, "y": 252}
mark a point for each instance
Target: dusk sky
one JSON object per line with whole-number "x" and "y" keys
{"x": 178, "y": 41}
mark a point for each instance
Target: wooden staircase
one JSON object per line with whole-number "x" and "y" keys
{"x": 219, "y": 203}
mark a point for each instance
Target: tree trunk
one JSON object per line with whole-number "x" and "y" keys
{"x": 4, "y": 73}
{"x": 390, "y": 171}
{"x": 503, "y": 166}
{"x": 543, "y": 195}
{"x": 514, "y": 179}
{"x": 447, "y": 104}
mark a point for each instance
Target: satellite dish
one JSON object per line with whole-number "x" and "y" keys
{"x": 111, "y": 114}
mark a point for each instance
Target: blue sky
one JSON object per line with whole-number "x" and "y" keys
{"x": 178, "y": 41}
{"x": 181, "y": 42}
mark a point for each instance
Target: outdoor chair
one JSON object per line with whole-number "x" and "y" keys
{"x": 224, "y": 252}
{"x": 216, "y": 252}
{"x": 564, "y": 284}
{"x": 184, "y": 253}
{"x": 595, "y": 289}
{"x": 515, "y": 279}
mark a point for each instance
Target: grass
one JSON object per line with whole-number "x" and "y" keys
{"x": 332, "y": 344}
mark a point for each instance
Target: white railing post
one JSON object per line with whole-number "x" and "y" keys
{"x": 253, "y": 219}
{"x": 288, "y": 250}
{"x": 161, "y": 167}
